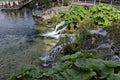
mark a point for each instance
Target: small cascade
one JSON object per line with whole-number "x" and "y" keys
{"x": 59, "y": 25}
{"x": 103, "y": 48}
{"x": 51, "y": 55}
{"x": 56, "y": 32}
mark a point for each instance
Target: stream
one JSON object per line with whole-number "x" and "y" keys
{"x": 18, "y": 46}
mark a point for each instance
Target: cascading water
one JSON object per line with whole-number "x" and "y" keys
{"x": 103, "y": 48}
{"x": 56, "y": 33}
{"x": 59, "y": 25}
{"x": 52, "y": 54}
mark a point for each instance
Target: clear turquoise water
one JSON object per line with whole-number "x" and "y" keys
{"x": 18, "y": 47}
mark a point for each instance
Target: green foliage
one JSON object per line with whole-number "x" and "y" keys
{"x": 66, "y": 2}
{"x": 29, "y": 74}
{"x": 81, "y": 38}
{"x": 80, "y": 66}
{"x": 114, "y": 76}
{"x": 74, "y": 67}
{"x": 74, "y": 15}
{"x": 47, "y": 2}
{"x": 103, "y": 14}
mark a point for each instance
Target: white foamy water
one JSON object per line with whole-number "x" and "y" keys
{"x": 56, "y": 33}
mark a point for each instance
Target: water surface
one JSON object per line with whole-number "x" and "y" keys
{"x": 18, "y": 46}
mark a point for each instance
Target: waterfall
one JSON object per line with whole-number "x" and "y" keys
{"x": 51, "y": 56}
{"x": 56, "y": 32}
{"x": 103, "y": 47}
{"x": 59, "y": 25}
{"x": 55, "y": 51}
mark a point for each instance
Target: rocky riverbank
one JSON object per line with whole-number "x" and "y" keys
{"x": 47, "y": 14}
{"x": 101, "y": 43}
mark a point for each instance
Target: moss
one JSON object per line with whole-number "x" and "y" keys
{"x": 116, "y": 35}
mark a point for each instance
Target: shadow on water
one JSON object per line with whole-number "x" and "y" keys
{"x": 18, "y": 47}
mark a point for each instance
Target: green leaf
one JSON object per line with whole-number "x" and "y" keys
{"x": 80, "y": 75}
{"x": 114, "y": 76}
{"x": 89, "y": 63}
{"x": 66, "y": 58}
{"x": 112, "y": 64}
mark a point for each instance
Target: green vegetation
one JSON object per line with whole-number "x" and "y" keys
{"x": 101, "y": 15}
{"x": 74, "y": 67}
{"x": 47, "y": 2}
{"x": 74, "y": 15}
{"x": 98, "y": 16}
{"x": 104, "y": 14}
{"x": 116, "y": 34}
{"x": 79, "y": 66}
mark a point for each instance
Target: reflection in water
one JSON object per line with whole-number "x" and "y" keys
{"x": 17, "y": 46}
{"x": 16, "y": 22}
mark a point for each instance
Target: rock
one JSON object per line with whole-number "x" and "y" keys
{"x": 101, "y": 43}
{"x": 113, "y": 58}
{"x": 104, "y": 48}
{"x": 50, "y": 56}
{"x": 116, "y": 36}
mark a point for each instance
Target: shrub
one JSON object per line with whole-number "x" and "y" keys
{"x": 103, "y": 14}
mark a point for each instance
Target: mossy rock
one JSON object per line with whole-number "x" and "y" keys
{"x": 116, "y": 35}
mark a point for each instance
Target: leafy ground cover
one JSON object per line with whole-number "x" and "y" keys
{"x": 74, "y": 67}
{"x": 102, "y": 15}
